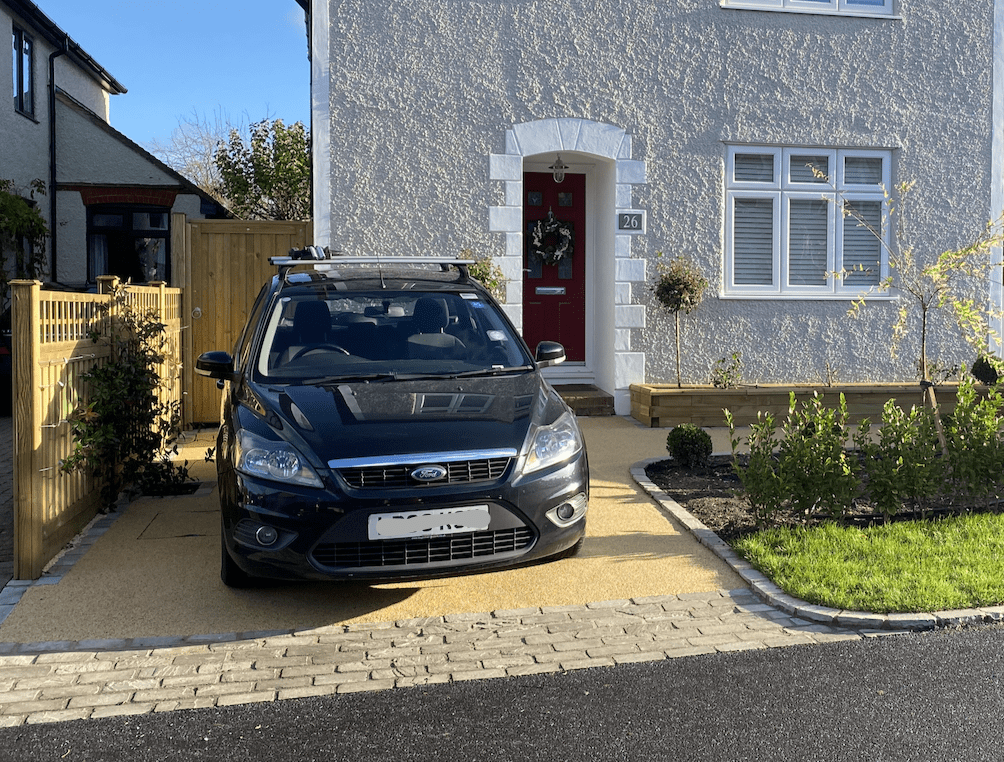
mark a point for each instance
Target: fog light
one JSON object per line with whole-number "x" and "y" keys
{"x": 266, "y": 536}
{"x": 570, "y": 511}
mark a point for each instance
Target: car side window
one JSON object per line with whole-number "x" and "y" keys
{"x": 243, "y": 349}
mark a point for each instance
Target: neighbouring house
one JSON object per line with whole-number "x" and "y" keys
{"x": 109, "y": 202}
{"x": 723, "y": 130}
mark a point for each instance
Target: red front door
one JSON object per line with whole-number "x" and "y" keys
{"x": 554, "y": 262}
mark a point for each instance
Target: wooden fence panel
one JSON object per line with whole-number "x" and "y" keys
{"x": 226, "y": 266}
{"x": 52, "y": 351}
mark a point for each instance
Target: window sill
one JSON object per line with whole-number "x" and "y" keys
{"x": 807, "y": 297}
{"x": 26, "y": 115}
{"x": 733, "y": 6}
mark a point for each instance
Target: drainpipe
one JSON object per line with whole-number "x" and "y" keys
{"x": 53, "y": 220}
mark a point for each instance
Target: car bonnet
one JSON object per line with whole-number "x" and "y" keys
{"x": 378, "y": 419}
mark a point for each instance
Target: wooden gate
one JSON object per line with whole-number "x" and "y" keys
{"x": 225, "y": 266}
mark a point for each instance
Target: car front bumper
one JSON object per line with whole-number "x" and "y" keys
{"x": 326, "y": 534}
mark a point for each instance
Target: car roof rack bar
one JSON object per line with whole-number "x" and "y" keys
{"x": 318, "y": 258}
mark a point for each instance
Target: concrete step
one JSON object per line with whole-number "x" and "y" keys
{"x": 586, "y": 399}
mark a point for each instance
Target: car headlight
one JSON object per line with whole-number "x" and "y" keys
{"x": 552, "y": 444}
{"x": 275, "y": 460}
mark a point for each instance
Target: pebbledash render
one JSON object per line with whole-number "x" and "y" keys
{"x": 722, "y": 131}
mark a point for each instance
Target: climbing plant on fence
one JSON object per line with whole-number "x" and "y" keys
{"x": 123, "y": 432}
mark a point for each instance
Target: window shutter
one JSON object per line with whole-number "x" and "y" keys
{"x": 807, "y": 238}
{"x": 862, "y": 252}
{"x": 753, "y": 241}
{"x": 863, "y": 170}
{"x": 754, "y": 167}
{"x": 802, "y": 166}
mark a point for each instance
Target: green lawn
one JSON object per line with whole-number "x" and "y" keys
{"x": 907, "y": 566}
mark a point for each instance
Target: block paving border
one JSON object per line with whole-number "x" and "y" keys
{"x": 58, "y": 681}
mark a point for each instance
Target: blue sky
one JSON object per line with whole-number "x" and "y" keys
{"x": 242, "y": 59}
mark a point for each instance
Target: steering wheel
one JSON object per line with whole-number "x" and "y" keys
{"x": 318, "y": 348}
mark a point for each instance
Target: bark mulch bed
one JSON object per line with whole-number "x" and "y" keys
{"x": 715, "y": 496}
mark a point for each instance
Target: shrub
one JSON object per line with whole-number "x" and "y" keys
{"x": 904, "y": 463}
{"x": 972, "y": 433}
{"x": 122, "y": 432}
{"x": 761, "y": 477}
{"x": 689, "y": 445}
{"x": 813, "y": 457}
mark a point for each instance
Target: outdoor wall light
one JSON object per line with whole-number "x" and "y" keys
{"x": 558, "y": 169}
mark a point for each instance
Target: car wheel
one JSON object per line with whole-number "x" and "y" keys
{"x": 231, "y": 574}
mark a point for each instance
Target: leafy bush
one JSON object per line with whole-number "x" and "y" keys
{"x": 760, "y": 477}
{"x": 689, "y": 445}
{"x": 972, "y": 432}
{"x": 810, "y": 469}
{"x": 487, "y": 272}
{"x": 813, "y": 458}
{"x": 726, "y": 373}
{"x": 904, "y": 463}
{"x": 122, "y": 433}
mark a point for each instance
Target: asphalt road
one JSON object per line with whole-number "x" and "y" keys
{"x": 931, "y": 696}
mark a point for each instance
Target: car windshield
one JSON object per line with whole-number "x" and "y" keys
{"x": 314, "y": 336}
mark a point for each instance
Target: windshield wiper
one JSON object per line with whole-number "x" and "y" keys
{"x": 493, "y": 371}
{"x": 350, "y": 378}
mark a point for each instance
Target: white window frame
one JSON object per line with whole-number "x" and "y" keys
{"x": 782, "y": 190}
{"x": 866, "y": 8}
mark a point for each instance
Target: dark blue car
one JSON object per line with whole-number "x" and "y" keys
{"x": 382, "y": 419}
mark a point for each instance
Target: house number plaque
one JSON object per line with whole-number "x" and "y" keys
{"x": 631, "y": 221}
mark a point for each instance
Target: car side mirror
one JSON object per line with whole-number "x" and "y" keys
{"x": 215, "y": 364}
{"x": 549, "y": 353}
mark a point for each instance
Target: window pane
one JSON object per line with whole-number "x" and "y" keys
{"x": 108, "y": 220}
{"x": 862, "y": 248}
{"x": 802, "y": 166}
{"x": 14, "y": 69}
{"x": 149, "y": 221}
{"x": 152, "y": 258}
{"x": 807, "y": 242}
{"x": 99, "y": 257}
{"x": 27, "y": 101}
{"x": 860, "y": 170}
{"x": 753, "y": 241}
{"x": 754, "y": 167}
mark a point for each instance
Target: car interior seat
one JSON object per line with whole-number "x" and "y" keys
{"x": 431, "y": 342}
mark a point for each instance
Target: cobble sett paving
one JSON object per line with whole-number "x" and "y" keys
{"x": 55, "y": 682}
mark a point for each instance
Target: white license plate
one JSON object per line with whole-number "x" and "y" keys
{"x": 389, "y": 526}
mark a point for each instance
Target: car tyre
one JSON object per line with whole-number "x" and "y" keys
{"x": 231, "y": 574}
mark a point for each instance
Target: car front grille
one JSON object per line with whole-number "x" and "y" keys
{"x": 424, "y": 550}
{"x": 399, "y": 475}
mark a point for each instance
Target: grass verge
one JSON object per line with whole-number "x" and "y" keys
{"x": 908, "y": 566}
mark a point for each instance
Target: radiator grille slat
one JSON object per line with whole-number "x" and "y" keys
{"x": 422, "y": 551}
{"x": 458, "y": 472}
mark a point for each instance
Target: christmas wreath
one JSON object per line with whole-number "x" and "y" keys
{"x": 551, "y": 240}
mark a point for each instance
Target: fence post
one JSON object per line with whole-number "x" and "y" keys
{"x": 28, "y": 518}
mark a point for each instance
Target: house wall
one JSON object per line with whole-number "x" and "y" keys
{"x": 421, "y": 96}
{"x": 24, "y": 146}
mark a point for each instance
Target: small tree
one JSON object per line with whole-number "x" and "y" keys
{"x": 679, "y": 287}
{"x": 933, "y": 285}
{"x": 22, "y": 234}
{"x": 267, "y": 178}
